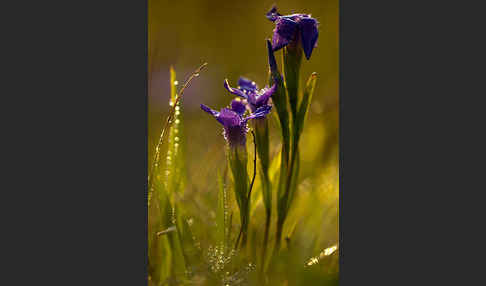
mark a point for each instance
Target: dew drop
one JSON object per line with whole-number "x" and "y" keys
{"x": 176, "y": 82}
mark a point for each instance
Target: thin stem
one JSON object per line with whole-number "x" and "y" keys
{"x": 251, "y": 187}
{"x": 254, "y": 165}
{"x": 265, "y": 240}
{"x": 168, "y": 122}
{"x": 278, "y": 237}
{"x": 238, "y": 239}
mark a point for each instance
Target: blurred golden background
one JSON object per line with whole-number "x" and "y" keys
{"x": 230, "y": 36}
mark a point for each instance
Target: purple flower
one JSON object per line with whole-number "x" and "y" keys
{"x": 234, "y": 124}
{"x": 248, "y": 90}
{"x": 293, "y": 27}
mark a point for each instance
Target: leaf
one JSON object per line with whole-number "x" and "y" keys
{"x": 168, "y": 123}
{"x": 279, "y": 99}
{"x": 273, "y": 173}
{"x": 294, "y": 181}
{"x": 238, "y": 159}
{"x": 221, "y": 215}
{"x": 159, "y": 250}
{"x": 305, "y": 103}
{"x": 166, "y": 252}
{"x": 263, "y": 150}
{"x": 173, "y": 85}
{"x": 292, "y": 59}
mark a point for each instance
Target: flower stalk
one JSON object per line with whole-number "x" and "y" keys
{"x": 235, "y": 129}
{"x": 263, "y": 149}
{"x": 297, "y": 35}
{"x": 280, "y": 101}
{"x": 238, "y": 158}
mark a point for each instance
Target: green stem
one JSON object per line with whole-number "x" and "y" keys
{"x": 292, "y": 59}
{"x": 280, "y": 223}
{"x": 238, "y": 161}
{"x": 265, "y": 239}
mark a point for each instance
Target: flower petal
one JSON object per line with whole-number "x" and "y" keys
{"x": 263, "y": 98}
{"x": 252, "y": 98}
{"x": 247, "y": 84}
{"x": 271, "y": 57}
{"x": 296, "y": 17}
{"x": 234, "y": 91}
{"x": 273, "y": 15}
{"x": 259, "y": 113}
{"x": 229, "y": 118}
{"x": 209, "y": 110}
{"x": 283, "y": 33}
{"x": 212, "y": 112}
{"x": 238, "y": 107}
{"x": 309, "y": 34}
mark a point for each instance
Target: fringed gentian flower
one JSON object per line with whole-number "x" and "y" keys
{"x": 233, "y": 121}
{"x": 235, "y": 128}
{"x": 247, "y": 89}
{"x": 292, "y": 28}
